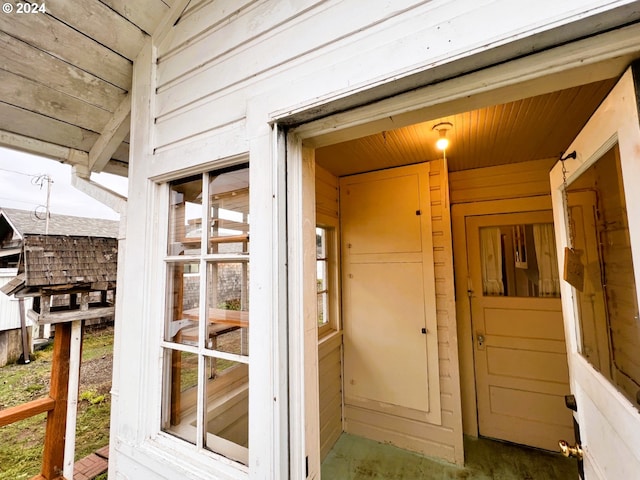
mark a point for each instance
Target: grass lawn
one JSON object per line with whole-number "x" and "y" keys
{"x": 21, "y": 443}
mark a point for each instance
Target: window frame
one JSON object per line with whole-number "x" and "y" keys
{"x": 204, "y": 260}
{"x": 331, "y": 227}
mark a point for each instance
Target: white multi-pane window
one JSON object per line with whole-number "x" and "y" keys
{"x": 327, "y": 278}
{"x": 322, "y": 276}
{"x": 206, "y": 330}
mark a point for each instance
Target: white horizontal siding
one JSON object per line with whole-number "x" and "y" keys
{"x": 224, "y": 55}
{"x": 9, "y": 306}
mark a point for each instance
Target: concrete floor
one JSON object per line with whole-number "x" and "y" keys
{"x": 356, "y": 458}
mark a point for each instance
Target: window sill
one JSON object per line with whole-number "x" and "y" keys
{"x": 327, "y": 331}
{"x": 186, "y": 460}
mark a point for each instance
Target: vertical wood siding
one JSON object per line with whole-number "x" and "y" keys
{"x": 445, "y": 440}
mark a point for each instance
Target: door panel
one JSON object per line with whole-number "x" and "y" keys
{"x": 381, "y": 214}
{"x": 390, "y": 331}
{"x": 519, "y": 348}
{"x": 390, "y": 296}
{"x": 603, "y": 324}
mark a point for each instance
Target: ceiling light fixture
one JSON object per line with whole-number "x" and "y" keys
{"x": 442, "y": 128}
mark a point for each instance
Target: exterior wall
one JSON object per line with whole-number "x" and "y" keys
{"x": 9, "y": 313}
{"x": 10, "y": 333}
{"x": 235, "y": 65}
{"x": 205, "y": 91}
{"x": 11, "y": 345}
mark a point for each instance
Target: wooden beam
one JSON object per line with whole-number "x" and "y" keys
{"x": 146, "y": 15}
{"x": 34, "y": 125}
{"x": 79, "y": 160}
{"x": 33, "y": 146}
{"x": 112, "y": 30}
{"x": 61, "y": 40}
{"x": 66, "y": 316}
{"x": 113, "y": 134}
{"x": 26, "y": 410}
{"x": 102, "y": 194}
{"x": 35, "y": 97}
{"x": 164, "y": 30}
{"x": 54, "y": 439}
{"x": 117, "y": 168}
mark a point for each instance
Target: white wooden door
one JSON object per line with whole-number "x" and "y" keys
{"x": 390, "y": 340}
{"x": 606, "y": 385}
{"x": 519, "y": 350}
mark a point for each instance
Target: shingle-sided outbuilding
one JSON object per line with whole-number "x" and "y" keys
{"x": 71, "y": 277}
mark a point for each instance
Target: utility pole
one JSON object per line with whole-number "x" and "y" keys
{"x": 39, "y": 180}
{"x": 46, "y": 221}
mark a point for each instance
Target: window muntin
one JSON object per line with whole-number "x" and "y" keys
{"x": 206, "y": 383}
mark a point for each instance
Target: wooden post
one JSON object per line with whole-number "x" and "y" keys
{"x": 75, "y": 357}
{"x": 54, "y": 439}
{"x": 26, "y": 348}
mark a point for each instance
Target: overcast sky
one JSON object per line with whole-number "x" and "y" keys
{"x": 19, "y": 171}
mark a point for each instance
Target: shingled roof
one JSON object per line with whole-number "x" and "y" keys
{"x": 52, "y": 262}
{"x": 69, "y": 260}
{"x": 25, "y": 222}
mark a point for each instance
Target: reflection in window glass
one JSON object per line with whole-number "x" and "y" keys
{"x": 228, "y": 297}
{"x": 185, "y": 216}
{"x": 183, "y": 300}
{"x": 229, "y": 212}
{"x": 228, "y": 391}
{"x": 183, "y": 379}
{"x": 607, "y": 304}
{"x": 519, "y": 261}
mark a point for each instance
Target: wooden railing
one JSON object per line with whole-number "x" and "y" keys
{"x": 55, "y": 404}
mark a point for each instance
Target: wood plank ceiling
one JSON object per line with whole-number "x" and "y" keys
{"x": 534, "y": 128}
{"x": 65, "y": 77}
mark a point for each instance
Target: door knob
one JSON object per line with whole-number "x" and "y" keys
{"x": 480, "y": 339}
{"x": 569, "y": 451}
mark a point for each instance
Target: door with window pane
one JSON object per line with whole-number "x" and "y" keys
{"x": 519, "y": 345}
{"x": 596, "y": 203}
{"x": 206, "y": 348}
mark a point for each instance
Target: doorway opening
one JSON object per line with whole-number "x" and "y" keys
{"x": 499, "y": 157}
